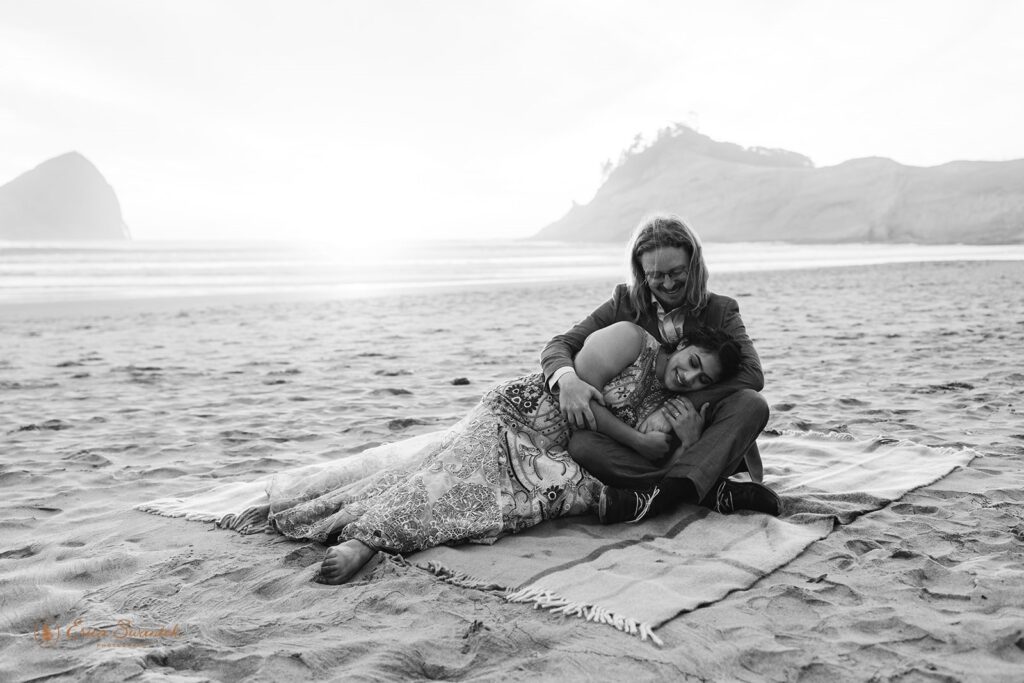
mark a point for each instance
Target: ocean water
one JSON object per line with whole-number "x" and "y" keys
{"x": 69, "y": 272}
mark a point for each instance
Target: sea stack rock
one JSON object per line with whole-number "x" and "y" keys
{"x": 65, "y": 198}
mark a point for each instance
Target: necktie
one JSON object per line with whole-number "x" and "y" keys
{"x": 671, "y": 326}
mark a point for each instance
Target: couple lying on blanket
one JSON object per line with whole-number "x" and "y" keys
{"x": 552, "y": 445}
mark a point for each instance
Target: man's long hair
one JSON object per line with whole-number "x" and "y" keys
{"x": 667, "y": 230}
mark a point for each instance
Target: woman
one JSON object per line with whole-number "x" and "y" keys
{"x": 504, "y": 467}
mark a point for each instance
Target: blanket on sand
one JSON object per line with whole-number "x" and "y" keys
{"x": 637, "y": 577}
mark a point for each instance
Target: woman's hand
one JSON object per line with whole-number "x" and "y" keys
{"x": 655, "y": 422}
{"x": 686, "y": 422}
{"x": 574, "y": 397}
{"x": 653, "y": 446}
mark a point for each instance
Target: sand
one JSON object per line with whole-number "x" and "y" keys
{"x": 103, "y": 410}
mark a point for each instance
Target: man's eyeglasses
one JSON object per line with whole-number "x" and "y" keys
{"x": 676, "y": 274}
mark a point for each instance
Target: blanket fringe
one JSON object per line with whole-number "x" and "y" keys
{"x": 250, "y": 521}
{"x": 556, "y": 604}
{"x": 541, "y": 598}
{"x": 461, "y": 579}
{"x": 155, "y": 508}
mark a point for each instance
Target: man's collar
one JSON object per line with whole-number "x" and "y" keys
{"x": 658, "y": 308}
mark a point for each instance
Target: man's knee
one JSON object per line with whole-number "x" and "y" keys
{"x": 748, "y": 405}
{"x": 611, "y": 462}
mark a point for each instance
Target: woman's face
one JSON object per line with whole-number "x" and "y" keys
{"x": 666, "y": 270}
{"x": 691, "y": 368}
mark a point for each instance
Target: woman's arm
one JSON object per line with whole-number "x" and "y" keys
{"x": 608, "y": 352}
{"x": 574, "y": 394}
{"x": 562, "y": 349}
{"x": 652, "y": 445}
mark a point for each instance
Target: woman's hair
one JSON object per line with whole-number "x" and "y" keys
{"x": 717, "y": 341}
{"x": 667, "y": 230}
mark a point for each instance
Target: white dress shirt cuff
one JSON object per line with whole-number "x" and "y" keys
{"x": 558, "y": 374}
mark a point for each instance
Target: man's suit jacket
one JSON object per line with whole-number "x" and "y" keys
{"x": 721, "y": 312}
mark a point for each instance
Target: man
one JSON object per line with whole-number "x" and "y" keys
{"x": 668, "y": 297}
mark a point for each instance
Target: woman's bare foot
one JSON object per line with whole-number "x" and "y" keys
{"x": 343, "y": 561}
{"x": 343, "y": 520}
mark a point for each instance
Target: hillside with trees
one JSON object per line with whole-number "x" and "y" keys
{"x": 729, "y": 193}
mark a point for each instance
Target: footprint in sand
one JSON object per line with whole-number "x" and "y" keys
{"x": 48, "y": 425}
{"x": 272, "y": 588}
{"x": 20, "y": 553}
{"x": 909, "y": 509}
{"x": 861, "y": 546}
{"x": 304, "y": 556}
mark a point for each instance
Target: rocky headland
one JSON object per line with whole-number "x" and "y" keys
{"x": 731, "y": 194}
{"x": 64, "y": 198}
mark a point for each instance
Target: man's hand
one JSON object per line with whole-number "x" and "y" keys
{"x": 574, "y": 397}
{"x": 687, "y": 423}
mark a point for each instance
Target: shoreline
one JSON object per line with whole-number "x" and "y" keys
{"x": 128, "y": 304}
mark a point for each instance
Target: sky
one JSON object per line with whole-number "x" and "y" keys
{"x": 382, "y": 121}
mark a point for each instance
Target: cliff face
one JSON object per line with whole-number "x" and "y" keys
{"x": 728, "y": 193}
{"x": 65, "y": 198}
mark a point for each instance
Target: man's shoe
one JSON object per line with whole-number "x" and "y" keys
{"x": 623, "y": 505}
{"x": 728, "y": 496}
